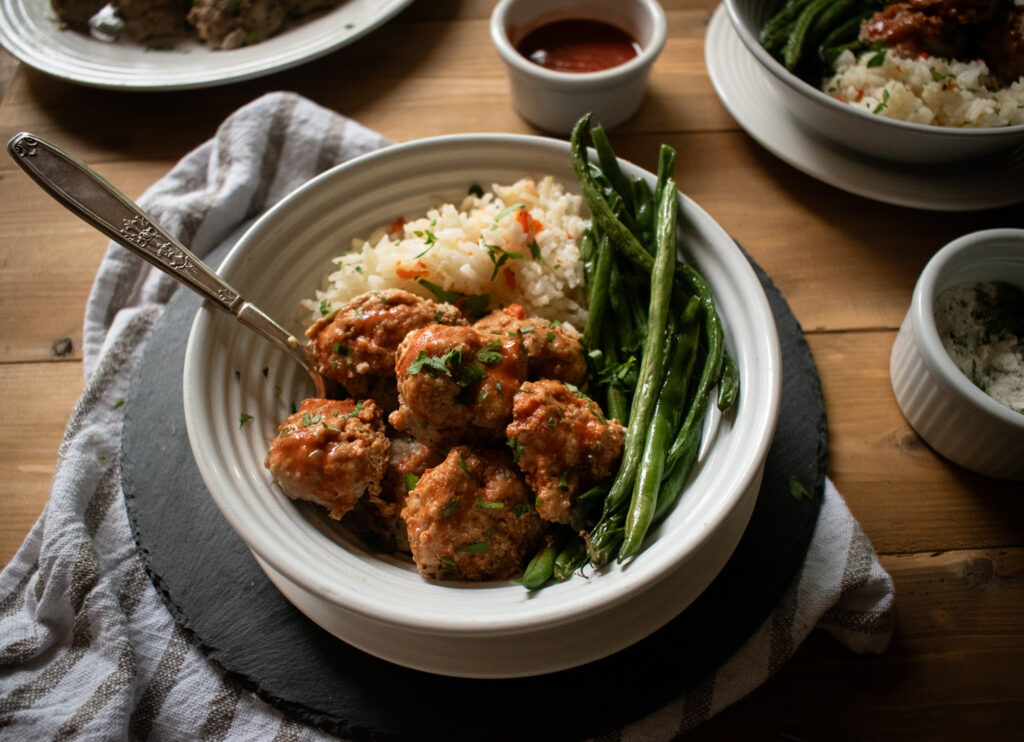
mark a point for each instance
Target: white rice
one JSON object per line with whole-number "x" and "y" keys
{"x": 478, "y": 247}
{"x": 926, "y": 90}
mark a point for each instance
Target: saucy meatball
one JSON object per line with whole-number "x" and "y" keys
{"x": 378, "y": 516}
{"x": 456, "y": 384}
{"x": 562, "y": 442}
{"x": 356, "y": 346}
{"x": 330, "y": 452}
{"x": 153, "y": 20}
{"x": 469, "y": 518}
{"x": 553, "y": 350}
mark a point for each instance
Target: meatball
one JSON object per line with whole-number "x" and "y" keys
{"x": 229, "y": 24}
{"x": 913, "y": 32}
{"x": 378, "y": 516}
{"x": 960, "y": 11}
{"x": 469, "y": 518}
{"x": 1003, "y": 46}
{"x": 153, "y": 20}
{"x": 330, "y": 452}
{"x": 456, "y": 384}
{"x": 356, "y": 346}
{"x": 553, "y": 349}
{"x": 563, "y": 443}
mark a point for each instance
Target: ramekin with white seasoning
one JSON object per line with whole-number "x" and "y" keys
{"x": 942, "y": 404}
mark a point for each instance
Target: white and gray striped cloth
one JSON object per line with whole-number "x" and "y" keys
{"x": 88, "y": 650}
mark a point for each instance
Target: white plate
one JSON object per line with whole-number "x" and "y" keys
{"x": 380, "y": 604}
{"x": 746, "y": 90}
{"x": 29, "y": 31}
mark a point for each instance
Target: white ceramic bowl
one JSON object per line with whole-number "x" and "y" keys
{"x": 553, "y": 100}
{"x": 379, "y": 603}
{"x": 950, "y": 413}
{"x": 857, "y": 129}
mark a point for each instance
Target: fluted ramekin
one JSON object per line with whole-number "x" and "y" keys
{"x": 950, "y": 413}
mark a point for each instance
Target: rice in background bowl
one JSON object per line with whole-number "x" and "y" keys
{"x": 926, "y": 90}
{"x": 856, "y": 129}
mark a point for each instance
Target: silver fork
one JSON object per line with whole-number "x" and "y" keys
{"x": 89, "y": 196}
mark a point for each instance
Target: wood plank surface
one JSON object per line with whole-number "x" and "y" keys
{"x": 953, "y": 541}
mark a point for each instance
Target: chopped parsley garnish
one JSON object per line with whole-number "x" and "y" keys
{"x": 506, "y": 211}
{"x": 490, "y": 353}
{"x": 118, "y": 403}
{"x": 464, "y": 465}
{"x": 355, "y": 411}
{"x": 527, "y": 330}
{"x": 436, "y": 364}
{"x": 450, "y": 507}
{"x": 474, "y": 305}
{"x": 448, "y": 560}
{"x": 480, "y": 547}
{"x": 325, "y": 307}
{"x": 517, "y": 449}
{"x": 243, "y": 419}
{"x": 489, "y": 505}
{"x": 534, "y": 250}
{"x": 284, "y": 432}
{"x": 498, "y": 255}
{"x": 877, "y": 60}
{"x": 597, "y": 413}
{"x": 521, "y": 509}
{"x": 563, "y": 482}
{"x": 797, "y": 490}
{"x": 884, "y": 104}
{"x": 549, "y": 336}
{"x": 411, "y": 480}
{"x": 307, "y": 420}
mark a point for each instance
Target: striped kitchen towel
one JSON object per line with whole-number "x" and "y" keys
{"x": 88, "y": 649}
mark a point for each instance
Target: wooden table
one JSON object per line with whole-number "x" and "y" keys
{"x": 953, "y": 541}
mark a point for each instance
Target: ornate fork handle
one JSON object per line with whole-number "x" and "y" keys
{"x": 88, "y": 195}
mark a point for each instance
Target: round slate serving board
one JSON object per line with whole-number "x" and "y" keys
{"x": 217, "y": 592}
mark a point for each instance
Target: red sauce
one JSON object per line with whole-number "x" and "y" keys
{"x": 578, "y": 45}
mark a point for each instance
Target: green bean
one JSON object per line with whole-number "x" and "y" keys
{"x": 653, "y": 359}
{"x": 793, "y": 50}
{"x": 541, "y": 567}
{"x": 666, "y": 164}
{"x": 604, "y": 539}
{"x": 678, "y": 471}
{"x": 598, "y": 291}
{"x": 729, "y": 384}
{"x": 777, "y": 27}
{"x": 588, "y": 256}
{"x": 572, "y": 556}
{"x": 610, "y": 168}
{"x": 643, "y": 197}
{"x": 712, "y": 371}
{"x": 665, "y": 421}
{"x": 621, "y": 236}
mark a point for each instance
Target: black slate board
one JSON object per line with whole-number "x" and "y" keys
{"x": 217, "y": 592}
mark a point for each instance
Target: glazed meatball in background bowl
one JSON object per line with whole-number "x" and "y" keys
{"x": 379, "y": 602}
{"x": 852, "y": 128}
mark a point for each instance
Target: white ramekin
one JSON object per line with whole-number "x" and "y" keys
{"x": 947, "y": 411}
{"x": 554, "y": 101}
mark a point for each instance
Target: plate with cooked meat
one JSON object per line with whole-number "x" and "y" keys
{"x": 539, "y": 449}
{"x": 181, "y": 44}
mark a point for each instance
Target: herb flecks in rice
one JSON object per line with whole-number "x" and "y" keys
{"x": 513, "y": 244}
